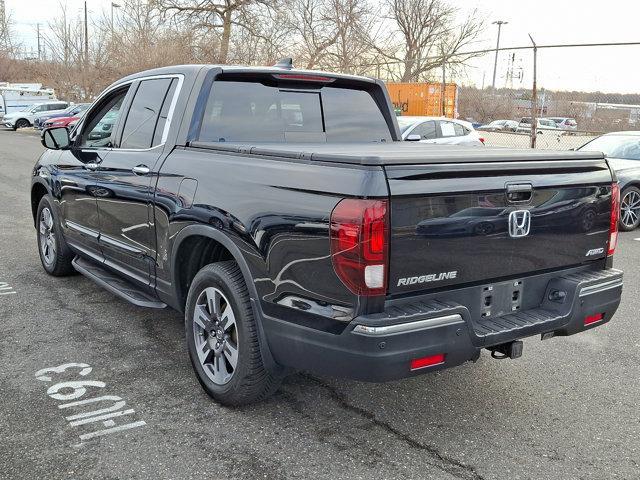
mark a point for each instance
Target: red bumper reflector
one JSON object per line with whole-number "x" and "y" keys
{"x": 593, "y": 318}
{"x": 423, "y": 362}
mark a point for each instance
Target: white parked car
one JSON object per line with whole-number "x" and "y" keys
{"x": 565, "y": 123}
{"x": 25, "y": 118}
{"x": 545, "y": 125}
{"x": 439, "y": 130}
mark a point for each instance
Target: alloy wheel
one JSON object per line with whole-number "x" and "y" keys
{"x": 630, "y": 209}
{"x": 215, "y": 334}
{"x": 48, "y": 246}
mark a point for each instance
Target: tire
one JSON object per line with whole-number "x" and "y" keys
{"x": 54, "y": 252}
{"x": 225, "y": 320}
{"x": 22, "y": 123}
{"x": 629, "y": 209}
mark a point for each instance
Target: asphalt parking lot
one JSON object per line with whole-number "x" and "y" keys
{"x": 569, "y": 408}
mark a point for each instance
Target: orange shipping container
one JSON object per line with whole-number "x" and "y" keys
{"x": 424, "y": 99}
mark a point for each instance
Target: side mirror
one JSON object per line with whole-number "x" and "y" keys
{"x": 413, "y": 138}
{"x": 56, "y": 138}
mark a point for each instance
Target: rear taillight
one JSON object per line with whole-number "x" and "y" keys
{"x": 588, "y": 320}
{"x": 433, "y": 360}
{"x": 360, "y": 245}
{"x": 615, "y": 216}
{"x": 481, "y": 140}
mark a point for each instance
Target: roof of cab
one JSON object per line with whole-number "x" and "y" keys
{"x": 195, "y": 69}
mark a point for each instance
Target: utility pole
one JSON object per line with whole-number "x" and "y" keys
{"x": 86, "y": 36}
{"x": 39, "y": 50}
{"x": 534, "y": 96}
{"x": 443, "y": 88}
{"x": 495, "y": 63}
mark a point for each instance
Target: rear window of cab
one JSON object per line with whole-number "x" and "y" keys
{"x": 241, "y": 111}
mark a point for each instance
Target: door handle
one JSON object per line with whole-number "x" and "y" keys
{"x": 141, "y": 170}
{"x": 91, "y": 166}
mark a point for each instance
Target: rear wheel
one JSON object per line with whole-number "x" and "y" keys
{"x": 222, "y": 337}
{"x": 55, "y": 255}
{"x": 630, "y": 209}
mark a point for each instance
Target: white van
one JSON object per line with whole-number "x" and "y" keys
{"x": 18, "y": 96}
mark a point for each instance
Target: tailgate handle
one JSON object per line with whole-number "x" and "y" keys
{"x": 519, "y": 192}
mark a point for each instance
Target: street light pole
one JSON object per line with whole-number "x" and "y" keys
{"x": 495, "y": 63}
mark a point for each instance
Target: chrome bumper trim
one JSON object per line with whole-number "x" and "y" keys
{"x": 408, "y": 326}
{"x": 600, "y": 287}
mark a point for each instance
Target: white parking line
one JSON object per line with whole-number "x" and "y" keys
{"x": 6, "y": 289}
{"x": 637, "y": 239}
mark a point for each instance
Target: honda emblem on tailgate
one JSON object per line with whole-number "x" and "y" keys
{"x": 519, "y": 223}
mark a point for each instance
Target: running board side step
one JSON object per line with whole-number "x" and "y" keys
{"x": 115, "y": 284}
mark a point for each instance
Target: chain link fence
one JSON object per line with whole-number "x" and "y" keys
{"x": 570, "y": 109}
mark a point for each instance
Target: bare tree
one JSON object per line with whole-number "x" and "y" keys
{"x": 8, "y": 43}
{"x": 425, "y": 34}
{"x": 353, "y": 20}
{"x": 209, "y": 16}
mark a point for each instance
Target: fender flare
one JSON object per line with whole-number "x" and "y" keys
{"x": 38, "y": 181}
{"x": 224, "y": 240}
{"x": 236, "y": 253}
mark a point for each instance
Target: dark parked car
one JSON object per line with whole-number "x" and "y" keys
{"x": 623, "y": 152}
{"x": 75, "y": 110}
{"x": 280, "y": 210}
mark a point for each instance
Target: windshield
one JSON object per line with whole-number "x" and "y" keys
{"x": 405, "y": 124}
{"x": 626, "y": 147}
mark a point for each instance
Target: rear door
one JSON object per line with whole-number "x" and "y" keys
{"x": 467, "y": 223}
{"x": 127, "y": 176}
{"x": 427, "y": 131}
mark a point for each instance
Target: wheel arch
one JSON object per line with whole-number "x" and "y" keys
{"x": 198, "y": 231}
{"x": 220, "y": 238}
{"x": 38, "y": 190}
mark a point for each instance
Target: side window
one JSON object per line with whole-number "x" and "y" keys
{"x": 460, "y": 130}
{"x": 447, "y": 129}
{"x": 162, "y": 119}
{"x": 99, "y": 127}
{"x": 426, "y": 130}
{"x": 142, "y": 118}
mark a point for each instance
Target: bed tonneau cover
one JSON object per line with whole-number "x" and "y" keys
{"x": 395, "y": 153}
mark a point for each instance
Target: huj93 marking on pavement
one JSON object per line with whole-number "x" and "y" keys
{"x": 6, "y": 289}
{"x": 107, "y": 407}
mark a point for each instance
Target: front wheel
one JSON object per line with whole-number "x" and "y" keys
{"x": 630, "y": 209}
{"x": 222, "y": 337}
{"x": 55, "y": 255}
{"x": 22, "y": 123}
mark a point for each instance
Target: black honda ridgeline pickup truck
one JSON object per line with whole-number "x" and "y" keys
{"x": 281, "y": 212}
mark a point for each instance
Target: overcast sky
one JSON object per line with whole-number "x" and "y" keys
{"x": 609, "y": 69}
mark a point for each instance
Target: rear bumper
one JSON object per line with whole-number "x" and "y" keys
{"x": 380, "y": 347}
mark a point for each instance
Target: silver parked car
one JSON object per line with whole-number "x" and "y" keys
{"x": 500, "y": 126}
{"x": 439, "y": 130}
{"x": 565, "y": 123}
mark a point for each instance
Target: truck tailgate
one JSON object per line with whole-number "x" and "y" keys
{"x": 461, "y": 223}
